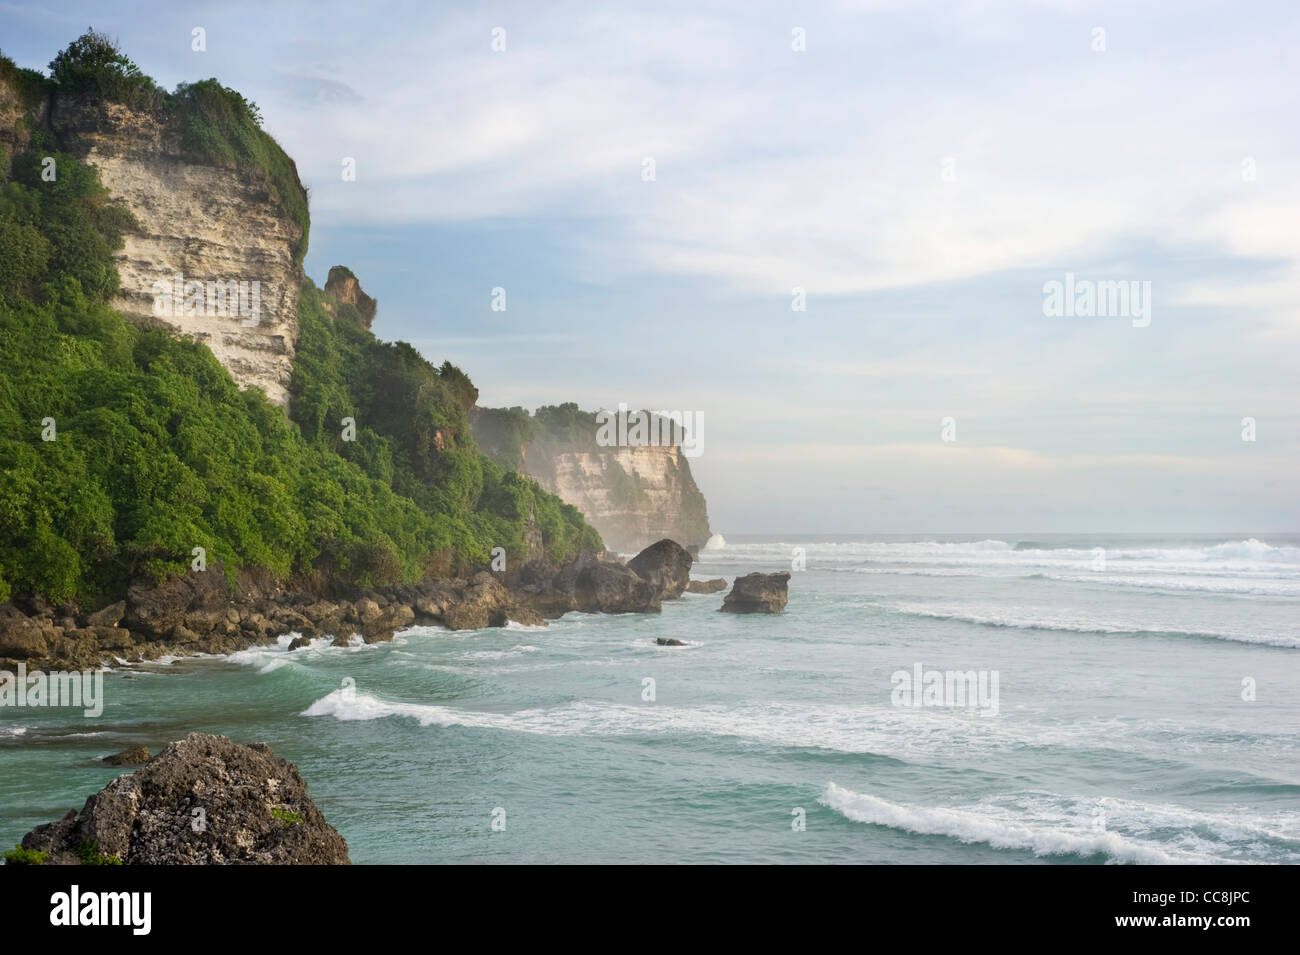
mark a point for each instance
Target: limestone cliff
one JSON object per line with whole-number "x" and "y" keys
{"x": 633, "y": 496}
{"x": 219, "y": 228}
{"x": 214, "y": 252}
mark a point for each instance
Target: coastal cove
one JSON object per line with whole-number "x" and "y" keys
{"x": 1100, "y": 752}
{"x": 356, "y": 507}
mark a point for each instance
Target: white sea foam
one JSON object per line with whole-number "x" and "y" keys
{"x": 1245, "y": 558}
{"x": 1248, "y": 584}
{"x": 912, "y": 735}
{"x": 1248, "y": 550}
{"x": 997, "y": 828}
{"x": 272, "y": 656}
{"x": 1041, "y": 619}
{"x": 499, "y": 654}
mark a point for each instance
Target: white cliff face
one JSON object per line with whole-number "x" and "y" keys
{"x": 208, "y": 225}
{"x": 633, "y": 496}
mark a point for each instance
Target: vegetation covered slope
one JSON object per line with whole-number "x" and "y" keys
{"x": 122, "y": 448}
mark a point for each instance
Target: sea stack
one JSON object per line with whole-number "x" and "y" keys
{"x": 666, "y": 565}
{"x": 757, "y": 593}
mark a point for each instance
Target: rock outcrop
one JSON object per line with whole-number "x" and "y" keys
{"x": 758, "y": 593}
{"x": 667, "y": 567}
{"x": 202, "y": 800}
{"x": 706, "y": 586}
{"x": 204, "y": 223}
{"x": 200, "y": 613}
{"x": 345, "y": 287}
{"x": 131, "y": 756}
{"x": 482, "y": 601}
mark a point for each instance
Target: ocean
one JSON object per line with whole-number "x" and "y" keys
{"x": 1129, "y": 699}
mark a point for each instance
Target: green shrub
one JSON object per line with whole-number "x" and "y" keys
{"x": 92, "y": 63}
{"x": 20, "y": 856}
{"x": 285, "y": 816}
{"x": 88, "y": 852}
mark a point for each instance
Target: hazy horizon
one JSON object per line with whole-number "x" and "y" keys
{"x": 1006, "y": 534}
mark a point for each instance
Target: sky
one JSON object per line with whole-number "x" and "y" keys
{"x": 650, "y": 188}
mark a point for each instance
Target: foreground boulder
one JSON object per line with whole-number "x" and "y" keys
{"x": 706, "y": 586}
{"x": 666, "y": 564}
{"x": 757, "y": 593}
{"x": 202, "y": 800}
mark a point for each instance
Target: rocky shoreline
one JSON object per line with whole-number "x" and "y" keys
{"x": 200, "y": 613}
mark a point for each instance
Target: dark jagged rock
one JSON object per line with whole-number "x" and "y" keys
{"x": 609, "y": 587}
{"x": 110, "y": 616}
{"x": 131, "y": 756}
{"x": 481, "y": 604}
{"x": 546, "y": 590}
{"x": 157, "y": 610}
{"x": 22, "y": 637}
{"x": 299, "y": 642}
{"x": 202, "y": 800}
{"x": 666, "y": 564}
{"x": 669, "y": 642}
{"x": 706, "y": 586}
{"x": 391, "y": 619}
{"x": 757, "y": 593}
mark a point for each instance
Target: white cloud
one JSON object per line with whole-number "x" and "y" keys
{"x": 778, "y": 169}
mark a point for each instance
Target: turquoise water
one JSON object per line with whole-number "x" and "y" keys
{"x": 1120, "y": 732}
